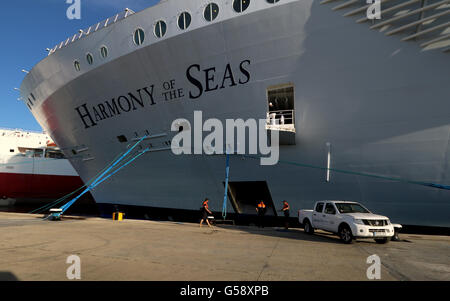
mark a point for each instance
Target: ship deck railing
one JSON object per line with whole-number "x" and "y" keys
{"x": 100, "y": 25}
{"x": 426, "y": 22}
{"x": 20, "y": 130}
{"x": 281, "y": 120}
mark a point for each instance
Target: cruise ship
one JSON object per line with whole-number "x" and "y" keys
{"x": 360, "y": 101}
{"x": 33, "y": 170}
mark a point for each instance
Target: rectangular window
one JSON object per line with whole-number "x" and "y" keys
{"x": 319, "y": 207}
{"x": 281, "y": 113}
{"x": 281, "y": 104}
{"x": 38, "y": 153}
{"x": 11, "y": 151}
{"x": 54, "y": 154}
{"x": 329, "y": 209}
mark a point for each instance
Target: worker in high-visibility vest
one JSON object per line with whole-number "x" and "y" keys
{"x": 261, "y": 210}
{"x": 205, "y": 212}
{"x": 285, "y": 210}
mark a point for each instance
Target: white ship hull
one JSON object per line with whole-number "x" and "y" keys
{"x": 354, "y": 88}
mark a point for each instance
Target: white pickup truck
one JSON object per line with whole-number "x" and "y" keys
{"x": 350, "y": 220}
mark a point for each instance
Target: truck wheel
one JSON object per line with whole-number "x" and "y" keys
{"x": 308, "y": 228}
{"x": 382, "y": 240}
{"x": 345, "y": 234}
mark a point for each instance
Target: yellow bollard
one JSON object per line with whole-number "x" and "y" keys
{"x": 118, "y": 216}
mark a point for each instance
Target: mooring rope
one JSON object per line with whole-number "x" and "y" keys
{"x": 395, "y": 179}
{"x": 100, "y": 178}
{"x": 56, "y": 202}
{"x": 125, "y": 159}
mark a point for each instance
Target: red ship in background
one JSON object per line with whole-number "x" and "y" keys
{"x": 33, "y": 170}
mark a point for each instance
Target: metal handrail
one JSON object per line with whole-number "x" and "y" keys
{"x": 20, "y": 130}
{"x": 120, "y": 16}
{"x": 287, "y": 115}
{"x": 426, "y": 21}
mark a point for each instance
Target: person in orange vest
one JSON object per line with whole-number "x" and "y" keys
{"x": 261, "y": 210}
{"x": 205, "y": 211}
{"x": 285, "y": 210}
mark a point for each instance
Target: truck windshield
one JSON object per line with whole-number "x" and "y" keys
{"x": 351, "y": 208}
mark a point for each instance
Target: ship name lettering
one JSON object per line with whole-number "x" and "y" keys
{"x": 132, "y": 101}
{"x": 209, "y": 81}
{"x": 171, "y": 92}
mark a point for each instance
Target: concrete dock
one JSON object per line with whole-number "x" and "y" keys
{"x": 36, "y": 249}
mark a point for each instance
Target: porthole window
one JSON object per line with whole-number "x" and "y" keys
{"x": 272, "y": 1}
{"x": 240, "y": 5}
{"x": 184, "y": 20}
{"x": 104, "y": 52}
{"x": 89, "y": 59}
{"x": 77, "y": 65}
{"x": 160, "y": 29}
{"x": 139, "y": 36}
{"x": 211, "y": 12}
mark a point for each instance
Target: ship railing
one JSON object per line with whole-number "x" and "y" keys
{"x": 20, "y": 130}
{"x": 425, "y": 22}
{"x": 282, "y": 120}
{"x": 83, "y": 33}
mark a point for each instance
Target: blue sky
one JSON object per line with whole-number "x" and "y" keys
{"x": 28, "y": 27}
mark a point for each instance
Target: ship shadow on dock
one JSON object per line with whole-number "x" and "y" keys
{"x": 8, "y": 276}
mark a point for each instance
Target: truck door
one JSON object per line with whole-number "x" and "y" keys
{"x": 329, "y": 218}
{"x": 317, "y": 215}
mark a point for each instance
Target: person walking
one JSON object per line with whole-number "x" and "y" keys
{"x": 205, "y": 211}
{"x": 261, "y": 210}
{"x": 285, "y": 210}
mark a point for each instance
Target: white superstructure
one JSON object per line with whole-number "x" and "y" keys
{"x": 32, "y": 168}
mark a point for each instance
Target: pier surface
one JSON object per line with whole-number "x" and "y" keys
{"x": 36, "y": 249}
